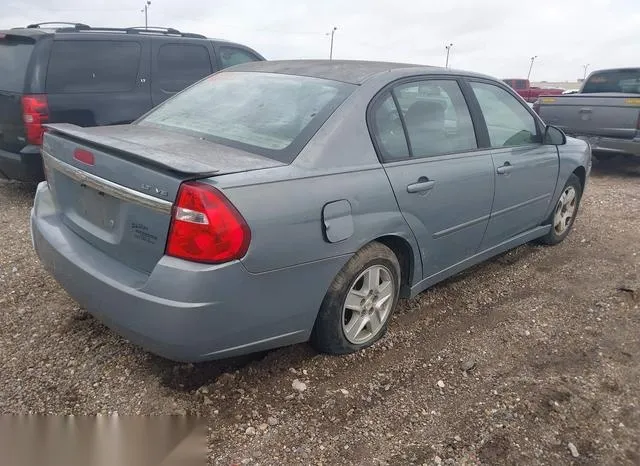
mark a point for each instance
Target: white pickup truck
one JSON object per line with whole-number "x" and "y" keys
{"x": 605, "y": 112}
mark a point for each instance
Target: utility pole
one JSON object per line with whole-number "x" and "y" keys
{"x": 145, "y": 10}
{"x": 333, "y": 31}
{"x": 584, "y": 76}
{"x": 448, "y": 47}
{"x": 531, "y": 65}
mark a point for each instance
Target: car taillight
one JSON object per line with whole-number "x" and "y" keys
{"x": 205, "y": 226}
{"x": 35, "y": 113}
{"x": 536, "y": 106}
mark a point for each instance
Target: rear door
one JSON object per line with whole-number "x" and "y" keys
{"x": 177, "y": 64}
{"x": 443, "y": 183}
{"x": 525, "y": 170}
{"x": 98, "y": 81}
{"x": 15, "y": 57}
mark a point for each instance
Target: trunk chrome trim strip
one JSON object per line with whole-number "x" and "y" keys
{"x": 108, "y": 187}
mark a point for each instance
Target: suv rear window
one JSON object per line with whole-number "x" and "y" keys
{"x": 273, "y": 115}
{"x": 627, "y": 81}
{"x": 93, "y": 66}
{"x": 15, "y": 52}
{"x": 520, "y": 84}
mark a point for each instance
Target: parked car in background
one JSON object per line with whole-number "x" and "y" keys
{"x": 605, "y": 112}
{"x": 528, "y": 92}
{"x": 204, "y": 234}
{"x": 92, "y": 77}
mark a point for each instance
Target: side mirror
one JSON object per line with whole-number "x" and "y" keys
{"x": 554, "y": 136}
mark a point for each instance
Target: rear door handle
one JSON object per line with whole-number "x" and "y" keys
{"x": 505, "y": 169}
{"x": 424, "y": 184}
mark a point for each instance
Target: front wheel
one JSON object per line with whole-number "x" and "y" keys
{"x": 564, "y": 215}
{"x": 356, "y": 309}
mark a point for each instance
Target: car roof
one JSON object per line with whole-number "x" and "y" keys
{"x": 348, "y": 71}
{"x": 607, "y": 70}
{"x": 44, "y": 29}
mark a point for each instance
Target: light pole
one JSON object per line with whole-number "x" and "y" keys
{"x": 448, "y": 47}
{"x": 144, "y": 10}
{"x": 584, "y": 76}
{"x": 333, "y": 31}
{"x": 531, "y": 65}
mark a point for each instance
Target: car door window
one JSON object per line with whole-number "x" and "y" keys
{"x": 388, "y": 131}
{"x": 180, "y": 65}
{"x": 508, "y": 121}
{"x": 230, "y": 56}
{"x": 436, "y": 117}
{"x": 93, "y": 66}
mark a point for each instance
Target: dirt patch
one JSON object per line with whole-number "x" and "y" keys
{"x": 507, "y": 363}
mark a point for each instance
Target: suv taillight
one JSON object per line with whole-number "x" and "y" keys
{"x": 35, "y": 113}
{"x": 206, "y": 227}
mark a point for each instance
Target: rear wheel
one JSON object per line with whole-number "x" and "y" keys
{"x": 356, "y": 309}
{"x": 564, "y": 214}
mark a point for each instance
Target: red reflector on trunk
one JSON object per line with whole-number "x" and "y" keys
{"x": 84, "y": 156}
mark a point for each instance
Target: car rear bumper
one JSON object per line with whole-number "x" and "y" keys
{"x": 612, "y": 145}
{"x": 183, "y": 311}
{"x": 23, "y": 166}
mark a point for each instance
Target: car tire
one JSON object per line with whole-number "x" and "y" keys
{"x": 336, "y": 330}
{"x": 564, "y": 213}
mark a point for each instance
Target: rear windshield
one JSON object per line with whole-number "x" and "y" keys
{"x": 626, "y": 81}
{"x": 15, "y": 53}
{"x": 269, "y": 114}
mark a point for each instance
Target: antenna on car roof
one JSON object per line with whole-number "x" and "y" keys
{"x": 74, "y": 25}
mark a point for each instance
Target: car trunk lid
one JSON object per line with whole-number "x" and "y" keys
{"x": 115, "y": 186}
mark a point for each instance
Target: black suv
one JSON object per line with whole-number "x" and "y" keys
{"x": 93, "y": 77}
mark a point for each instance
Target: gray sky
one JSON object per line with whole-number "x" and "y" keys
{"x": 497, "y": 37}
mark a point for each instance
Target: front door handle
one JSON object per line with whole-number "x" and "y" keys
{"x": 424, "y": 184}
{"x": 504, "y": 169}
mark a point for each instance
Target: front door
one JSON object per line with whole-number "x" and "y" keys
{"x": 443, "y": 183}
{"x": 526, "y": 170}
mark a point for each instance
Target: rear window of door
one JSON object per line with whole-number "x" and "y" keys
{"x": 93, "y": 66}
{"x": 180, "y": 65}
{"x": 15, "y": 52}
{"x": 509, "y": 123}
{"x": 230, "y": 56}
{"x": 434, "y": 115}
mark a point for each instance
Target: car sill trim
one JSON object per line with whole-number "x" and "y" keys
{"x": 461, "y": 226}
{"x": 107, "y": 187}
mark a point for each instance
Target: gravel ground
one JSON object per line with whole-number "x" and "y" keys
{"x": 531, "y": 358}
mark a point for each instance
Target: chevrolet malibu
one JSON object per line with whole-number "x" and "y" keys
{"x": 280, "y": 202}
